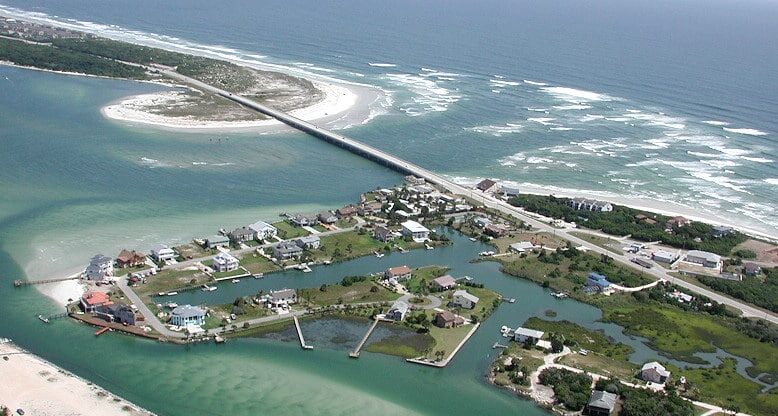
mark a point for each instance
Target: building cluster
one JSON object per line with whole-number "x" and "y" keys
{"x": 586, "y": 204}
{"x": 36, "y": 31}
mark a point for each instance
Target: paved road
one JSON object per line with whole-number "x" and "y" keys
{"x": 490, "y": 201}
{"x": 151, "y": 319}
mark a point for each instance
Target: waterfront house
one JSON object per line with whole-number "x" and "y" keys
{"x": 327, "y": 217}
{"x": 161, "y": 252}
{"x": 399, "y": 274}
{"x": 224, "y": 262}
{"x": 677, "y": 222}
{"x": 187, "y": 315}
{"x": 488, "y": 186}
{"x": 383, "y": 234}
{"x": 304, "y": 220}
{"x": 462, "y": 299}
{"x": 521, "y": 247}
{"x": 283, "y": 296}
{"x": 116, "y": 312}
{"x": 481, "y": 222}
{"x": 704, "y": 258}
{"x": 597, "y": 282}
{"x": 369, "y": 208}
{"x": 527, "y": 336}
{"x": 242, "y": 235}
{"x": 91, "y": 300}
{"x": 509, "y": 192}
{"x": 309, "y": 242}
{"x": 216, "y": 241}
{"x": 398, "y": 311}
{"x": 586, "y": 204}
{"x": 444, "y": 282}
{"x": 601, "y": 403}
{"x": 99, "y": 267}
{"x": 347, "y": 211}
{"x": 447, "y": 319}
{"x": 662, "y": 256}
{"x": 416, "y": 231}
{"x": 496, "y": 230}
{"x": 264, "y": 230}
{"x": 128, "y": 258}
{"x": 722, "y": 231}
{"x": 654, "y": 372}
{"x": 286, "y": 250}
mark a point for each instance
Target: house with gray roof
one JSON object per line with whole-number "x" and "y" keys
{"x": 601, "y": 403}
{"x": 308, "y": 242}
{"x": 526, "y": 335}
{"x": 654, "y": 372}
{"x": 398, "y": 311}
{"x": 444, "y": 282}
{"x": 161, "y": 252}
{"x": 327, "y": 217}
{"x": 241, "y": 235}
{"x": 286, "y": 250}
{"x": 704, "y": 258}
{"x": 187, "y": 315}
{"x": 264, "y": 230}
{"x": 215, "y": 241}
{"x": 462, "y": 299}
{"x": 99, "y": 267}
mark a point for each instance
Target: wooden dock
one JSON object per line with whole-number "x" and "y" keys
{"x": 303, "y": 345}
{"x": 355, "y": 353}
{"x": 20, "y": 283}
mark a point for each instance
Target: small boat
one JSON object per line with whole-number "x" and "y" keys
{"x": 327, "y": 262}
{"x": 429, "y": 247}
{"x": 172, "y": 305}
{"x": 511, "y": 300}
{"x": 172, "y": 293}
{"x": 468, "y": 278}
{"x": 473, "y": 239}
{"x": 259, "y": 275}
{"x": 43, "y": 318}
{"x": 218, "y": 339}
{"x": 207, "y": 288}
{"x": 235, "y": 280}
{"x": 377, "y": 254}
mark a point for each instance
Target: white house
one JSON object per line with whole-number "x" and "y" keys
{"x": 187, "y": 315}
{"x": 463, "y": 299}
{"x": 662, "y": 256}
{"x": 526, "y": 335}
{"x": 416, "y": 231}
{"x": 704, "y": 259}
{"x": 481, "y": 222}
{"x": 215, "y": 241}
{"x": 521, "y": 247}
{"x": 654, "y": 372}
{"x": 398, "y": 311}
{"x": 161, "y": 252}
{"x": 264, "y": 230}
{"x": 224, "y": 262}
{"x": 309, "y": 242}
{"x": 585, "y": 204}
{"x": 99, "y": 267}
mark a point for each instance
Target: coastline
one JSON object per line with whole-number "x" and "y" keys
{"x": 41, "y": 388}
{"x": 668, "y": 208}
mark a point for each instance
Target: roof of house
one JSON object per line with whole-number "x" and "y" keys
{"x": 187, "y": 311}
{"x": 159, "y": 247}
{"x": 468, "y": 296}
{"x": 400, "y": 306}
{"x": 485, "y": 184}
{"x": 398, "y": 271}
{"x": 496, "y": 227}
{"x": 95, "y": 298}
{"x": 711, "y": 257}
{"x": 664, "y": 254}
{"x": 522, "y": 246}
{"x": 597, "y": 276}
{"x": 752, "y": 268}
{"x": 218, "y": 238}
{"x": 242, "y": 231}
{"x": 659, "y": 368}
{"x": 449, "y": 316}
{"x": 445, "y": 280}
{"x": 414, "y": 227}
{"x": 529, "y": 332}
{"x": 326, "y": 214}
{"x": 261, "y": 226}
{"x": 283, "y": 293}
{"x": 602, "y": 400}
{"x": 127, "y": 255}
{"x": 308, "y": 239}
{"x": 224, "y": 258}
{"x": 287, "y": 246}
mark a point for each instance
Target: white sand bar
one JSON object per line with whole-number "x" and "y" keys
{"x": 40, "y": 388}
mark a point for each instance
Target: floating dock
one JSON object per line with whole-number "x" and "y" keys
{"x": 355, "y": 353}
{"x": 300, "y": 335}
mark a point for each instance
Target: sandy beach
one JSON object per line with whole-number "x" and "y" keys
{"x": 42, "y": 389}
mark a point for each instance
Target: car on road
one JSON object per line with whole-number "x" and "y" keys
{"x": 19, "y": 412}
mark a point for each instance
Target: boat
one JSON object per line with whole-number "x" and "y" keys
{"x": 428, "y": 247}
{"x": 172, "y": 305}
{"x": 473, "y": 239}
{"x": 235, "y": 280}
{"x": 172, "y": 293}
{"x": 207, "y": 288}
{"x": 377, "y": 254}
{"x": 218, "y": 339}
{"x": 43, "y": 318}
{"x": 259, "y": 275}
{"x": 327, "y": 262}
{"x": 511, "y": 300}
{"x": 468, "y": 278}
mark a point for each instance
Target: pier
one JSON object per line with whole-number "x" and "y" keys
{"x": 20, "y": 283}
{"x": 444, "y": 362}
{"x": 300, "y": 334}
{"x": 355, "y": 353}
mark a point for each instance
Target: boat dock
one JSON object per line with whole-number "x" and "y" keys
{"x": 102, "y": 331}
{"x": 20, "y": 283}
{"x": 300, "y": 334}
{"x": 355, "y": 353}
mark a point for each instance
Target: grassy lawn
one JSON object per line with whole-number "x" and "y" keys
{"x": 287, "y": 230}
{"x": 169, "y": 280}
{"x": 231, "y": 273}
{"x": 447, "y": 339}
{"x": 257, "y": 264}
{"x": 601, "y": 364}
{"x": 422, "y": 276}
{"x": 529, "y": 358}
{"x": 219, "y": 312}
{"x": 347, "y": 245}
{"x": 679, "y": 333}
{"x": 408, "y": 344}
{"x": 358, "y": 292}
{"x": 604, "y": 242}
{"x": 193, "y": 251}
{"x": 723, "y": 386}
{"x": 593, "y": 341}
{"x": 346, "y": 223}
{"x": 320, "y": 228}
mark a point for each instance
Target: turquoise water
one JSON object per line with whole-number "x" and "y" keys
{"x": 74, "y": 184}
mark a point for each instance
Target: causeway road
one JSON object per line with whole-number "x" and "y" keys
{"x": 488, "y": 200}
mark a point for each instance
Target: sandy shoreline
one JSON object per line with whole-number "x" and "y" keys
{"x": 40, "y": 388}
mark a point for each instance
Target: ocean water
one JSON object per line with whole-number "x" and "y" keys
{"x": 674, "y": 102}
